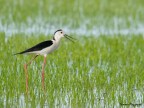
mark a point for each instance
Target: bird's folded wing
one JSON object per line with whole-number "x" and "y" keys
{"x": 37, "y": 47}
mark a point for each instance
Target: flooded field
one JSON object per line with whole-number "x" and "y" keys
{"x": 115, "y": 27}
{"x": 102, "y": 69}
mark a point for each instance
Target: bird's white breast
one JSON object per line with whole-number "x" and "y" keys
{"x": 49, "y": 49}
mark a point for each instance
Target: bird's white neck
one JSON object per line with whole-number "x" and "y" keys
{"x": 56, "y": 39}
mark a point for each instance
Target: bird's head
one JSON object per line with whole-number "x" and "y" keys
{"x": 60, "y": 33}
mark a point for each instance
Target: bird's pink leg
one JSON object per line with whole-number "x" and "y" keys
{"x": 43, "y": 86}
{"x": 26, "y": 77}
{"x": 26, "y": 72}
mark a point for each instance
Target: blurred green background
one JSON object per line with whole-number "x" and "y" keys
{"x": 96, "y": 16}
{"x": 102, "y": 69}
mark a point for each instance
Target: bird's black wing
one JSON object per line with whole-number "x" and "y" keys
{"x": 37, "y": 47}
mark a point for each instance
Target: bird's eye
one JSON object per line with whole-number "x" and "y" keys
{"x": 61, "y": 32}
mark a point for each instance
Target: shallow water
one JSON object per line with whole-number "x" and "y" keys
{"x": 101, "y": 101}
{"x": 93, "y": 86}
{"x": 115, "y": 27}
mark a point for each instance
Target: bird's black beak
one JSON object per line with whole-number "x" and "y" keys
{"x": 69, "y": 38}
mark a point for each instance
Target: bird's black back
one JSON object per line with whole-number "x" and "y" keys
{"x": 38, "y": 47}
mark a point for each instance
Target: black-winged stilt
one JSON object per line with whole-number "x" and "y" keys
{"x": 43, "y": 48}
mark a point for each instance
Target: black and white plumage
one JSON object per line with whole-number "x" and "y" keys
{"x": 38, "y": 47}
{"x": 44, "y": 48}
{"x": 48, "y": 46}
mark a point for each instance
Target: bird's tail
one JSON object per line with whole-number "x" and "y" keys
{"x": 19, "y": 53}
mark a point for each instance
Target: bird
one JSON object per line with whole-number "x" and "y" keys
{"x": 43, "y": 49}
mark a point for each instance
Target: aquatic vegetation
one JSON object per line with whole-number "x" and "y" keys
{"x": 103, "y": 68}
{"x": 102, "y": 71}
